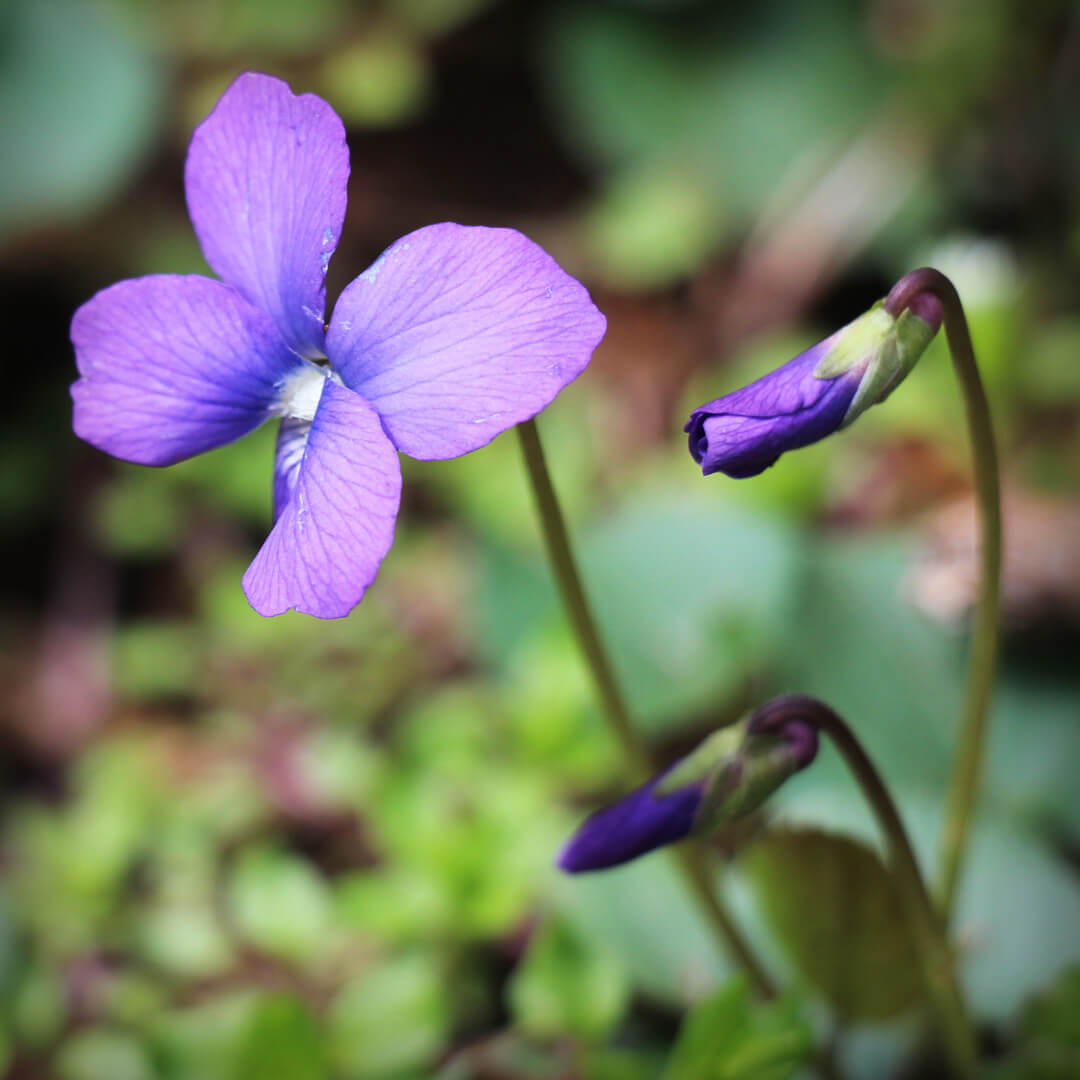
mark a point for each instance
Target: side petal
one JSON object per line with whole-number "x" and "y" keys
{"x": 456, "y": 334}
{"x": 265, "y": 177}
{"x": 326, "y": 546}
{"x": 172, "y": 366}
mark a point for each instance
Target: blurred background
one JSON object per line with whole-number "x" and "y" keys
{"x": 234, "y": 847}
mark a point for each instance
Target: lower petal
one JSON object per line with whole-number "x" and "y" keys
{"x": 338, "y": 523}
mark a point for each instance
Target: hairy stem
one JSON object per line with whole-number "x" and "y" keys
{"x": 690, "y": 857}
{"x": 964, "y": 782}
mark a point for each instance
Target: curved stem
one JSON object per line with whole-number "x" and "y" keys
{"x": 928, "y": 930}
{"x": 982, "y": 662}
{"x": 572, "y": 592}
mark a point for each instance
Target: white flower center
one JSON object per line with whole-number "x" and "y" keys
{"x": 299, "y": 393}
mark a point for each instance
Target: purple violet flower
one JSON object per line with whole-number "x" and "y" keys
{"x": 817, "y": 393}
{"x": 453, "y": 335}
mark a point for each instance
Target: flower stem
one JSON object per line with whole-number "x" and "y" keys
{"x": 964, "y": 782}
{"x": 572, "y": 592}
{"x": 957, "y": 1034}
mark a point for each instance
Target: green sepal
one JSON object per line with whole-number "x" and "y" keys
{"x": 739, "y": 773}
{"x": 855, "y": 344}
{"x": 887, "y": 348}
{"x": 709, "y": 757}
{"x": 746, "y": 782}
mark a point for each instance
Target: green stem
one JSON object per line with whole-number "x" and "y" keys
{"x": 935, "y": 955}
{"x": 964, "y": 782}
{"x": 689, "y": 856}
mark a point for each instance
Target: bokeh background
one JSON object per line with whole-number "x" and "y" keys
{"x": 235, "y": 847}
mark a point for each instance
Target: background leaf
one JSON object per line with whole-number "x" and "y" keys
{"x": 831, "y": 903}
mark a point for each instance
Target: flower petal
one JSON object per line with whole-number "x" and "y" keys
{"x": 331, "y": 536}
{"x": 456, "y": 334}
{"x": 638, "y": 823}
{"x": 172, "y": 366}
{"x": 744, "y": 432}
{"x": 265, "y": 178}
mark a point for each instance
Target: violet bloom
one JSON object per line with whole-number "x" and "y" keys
{"x": 726, "y": 777}
{"x": 817, "y": 393}
{"x": 454, "y": 335}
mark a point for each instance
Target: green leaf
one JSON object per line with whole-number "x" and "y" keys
{"x": 80, "y": 102}
{"x": 283, "y": 1042}
{"x": 742, "y": 91}
{"x": 831, "y": 903}
{"x": 728, "y": 1037}
{"x": 652, "y": 226}
{"x": 201, "y": 1042}
{"x": 691, "y": 596}
{"x": 644, "y": 915}
{"x": 156, "y": 658}
{"x": 857, "y": 643}
{"x": 393, "y": 1017}
{"x": 101, "y": 1052}
{"x": 280, "y": 903}
{"x": 1048, "y": 1035}
{"x": 568, "y": 984}
{"x": 1055, "y": 1014}
{"x": 39, "y": 1006}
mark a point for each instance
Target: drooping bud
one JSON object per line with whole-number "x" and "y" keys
{"x": 726, "y": 777}
{"x": 813, "y": 395}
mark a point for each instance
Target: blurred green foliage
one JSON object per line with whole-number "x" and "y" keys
{"x": 287, "y": 848}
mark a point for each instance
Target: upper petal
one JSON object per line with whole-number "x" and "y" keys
{"x": 326, "y": 546}
{"x": 457, "y": 333}
{"x": 265, "y": 176}
{"x": 172, "y": 366}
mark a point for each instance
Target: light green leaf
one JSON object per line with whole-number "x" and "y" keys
{"x": 101, "y": 1052}
{"x": 728, "y": 1037}
{"x": 643, "y": 914}
{"x": 568, "y": 985}
{"x": 282, "y": 1042}
{"x": 280, "y": 903}
{"x": 80, "y": 102}
{"x": 393, "y": 1017}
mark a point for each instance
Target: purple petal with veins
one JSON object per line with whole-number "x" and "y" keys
{"x": 455, "y": 334}
{"x": 172, "y": 366}
{"x": 327, "y": 543}
{"x": 265, "y": 176}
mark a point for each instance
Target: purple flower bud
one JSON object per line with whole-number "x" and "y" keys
{"x": 817, "y": 393}
{"x": 726, "y": 777}
{"x": 636, "y": 824}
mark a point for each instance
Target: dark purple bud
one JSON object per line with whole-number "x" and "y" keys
{"x": 743, "y": 433}
{"x": 640, "y": 822}
{"x": 727, "y": 776}
{"x": 817, "y": 393}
